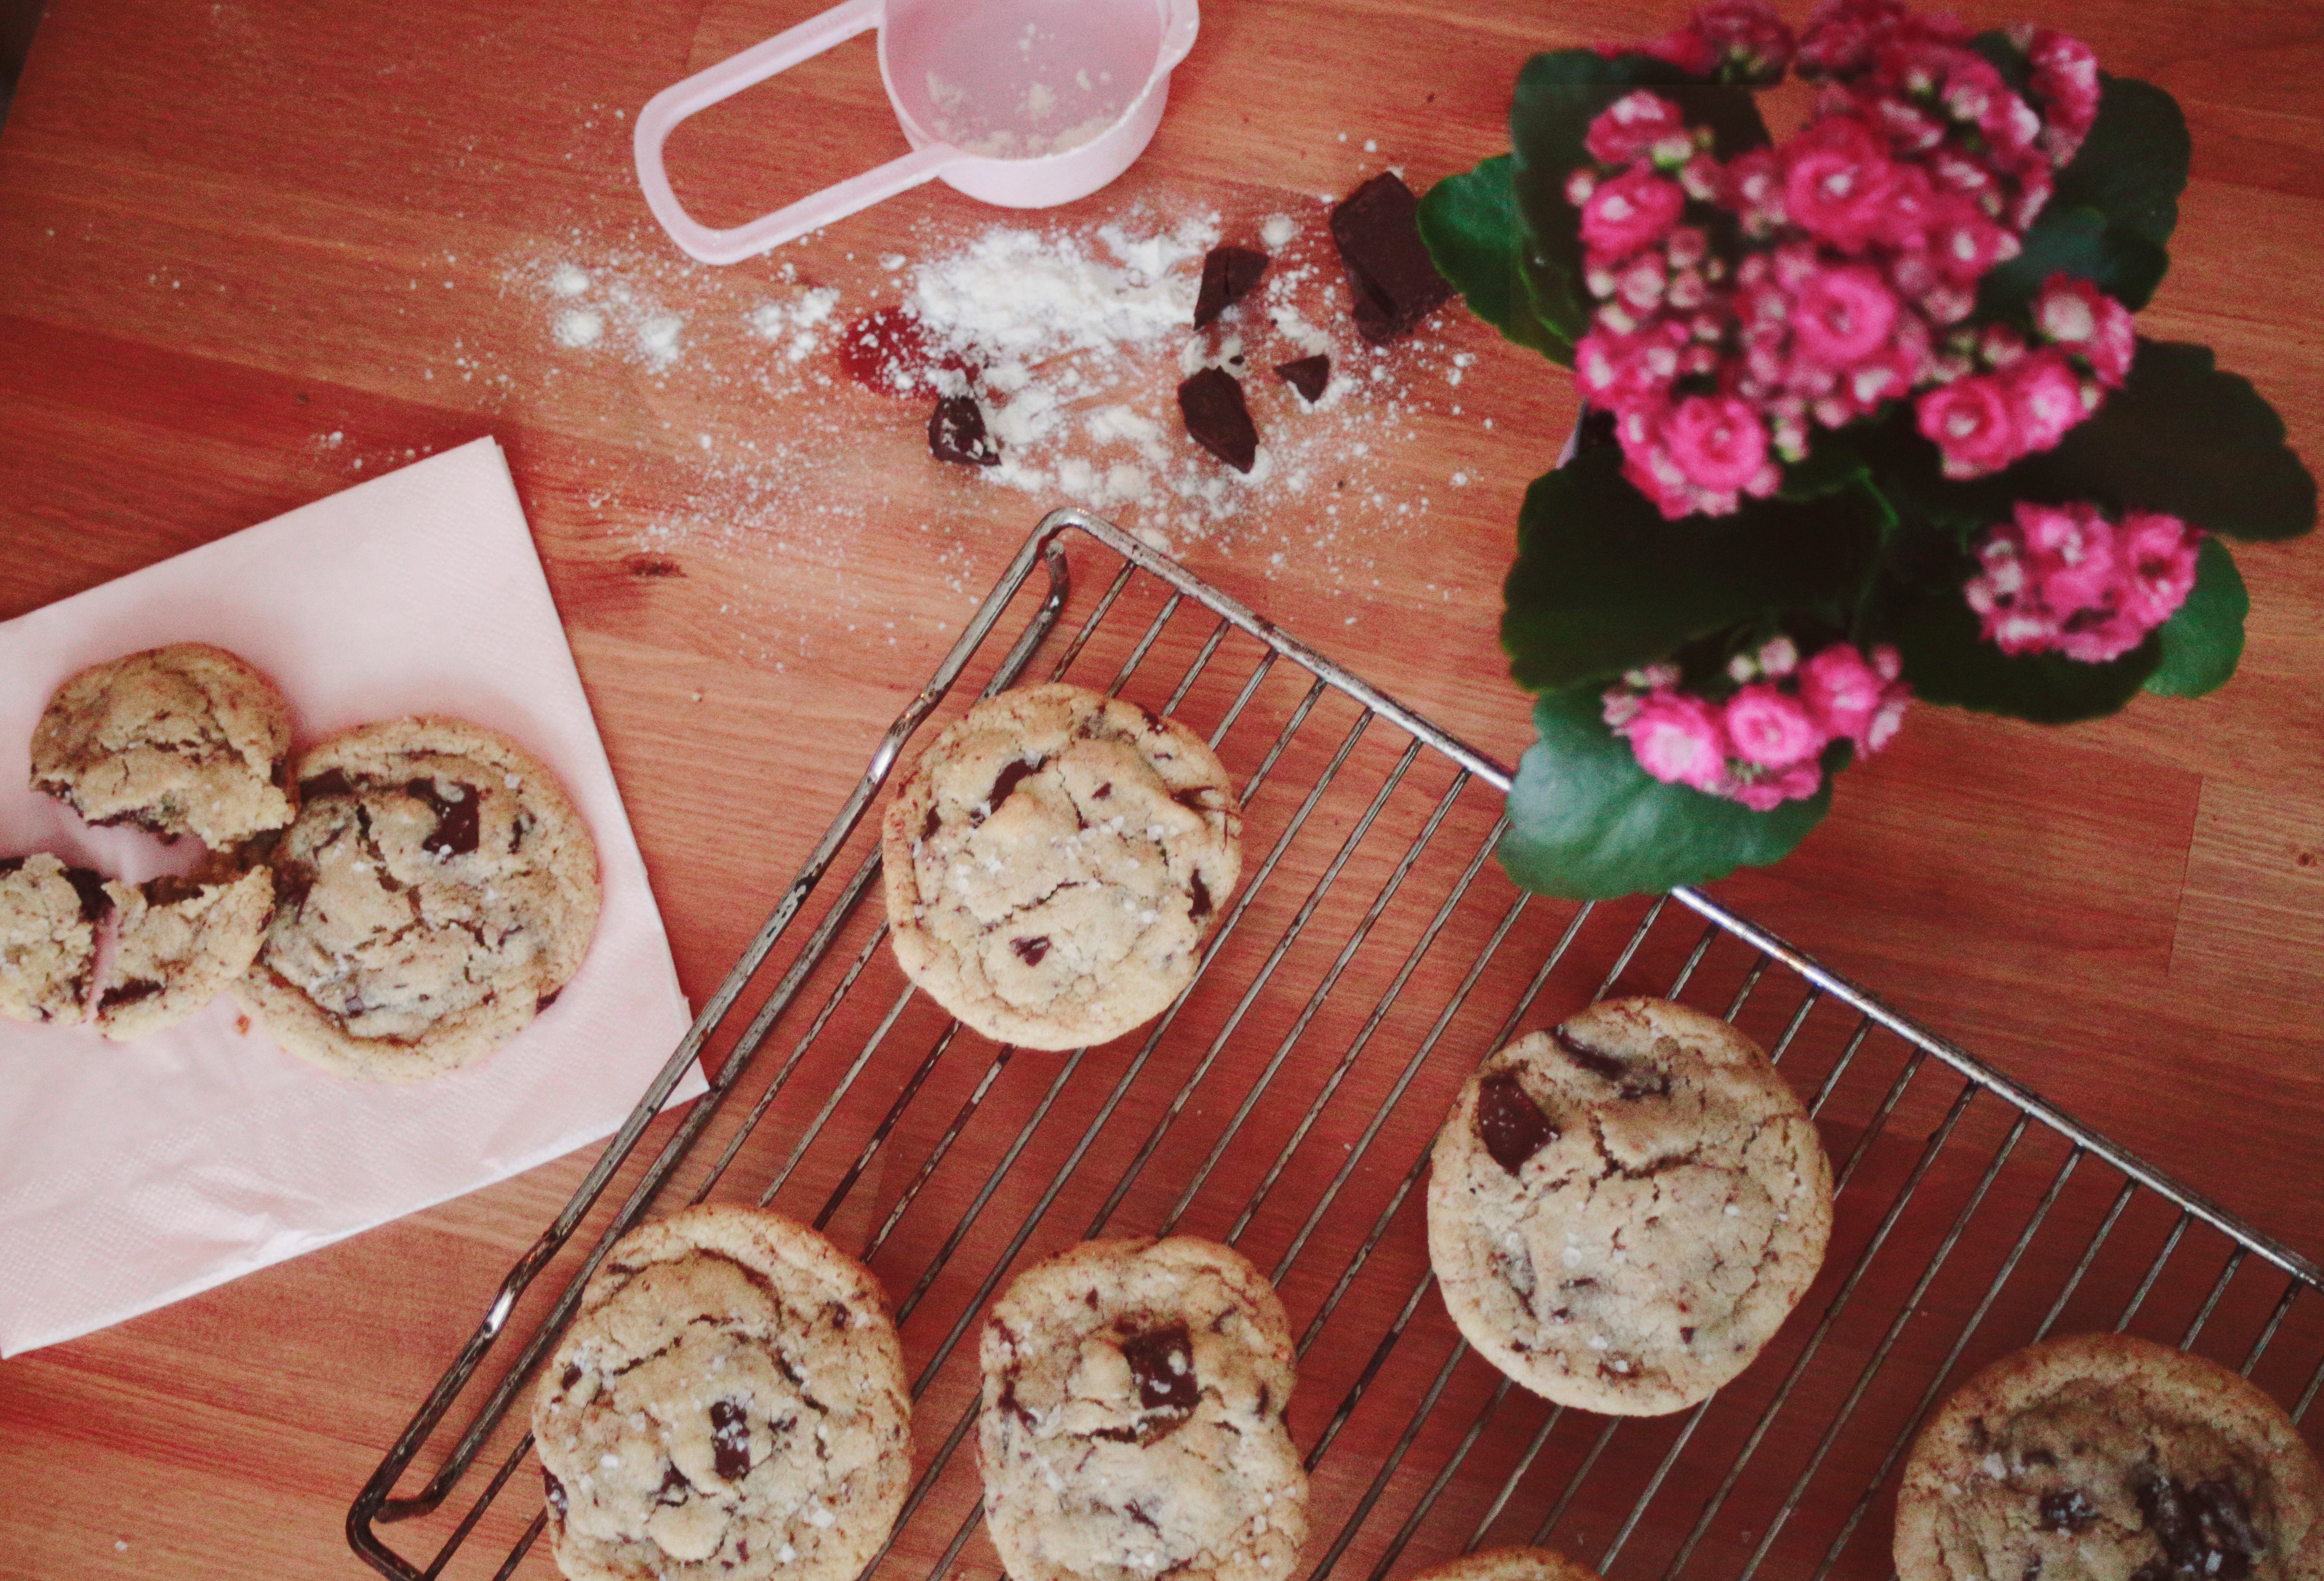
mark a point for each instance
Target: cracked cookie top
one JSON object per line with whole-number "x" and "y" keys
{"x": 434, "y": 894}
{"x": 1134, "y": 1395}
{"x": 730, "y": 1404}
{"x": 1510, "y": 1563}
{"x": 1622, "y": 1210}
{"x": 48, "y": 917}
{"x": 1054, "y": 862}
{"x": 181, "y": 942}
{"x": 2104, "y": 1457}
{"x": 183, "y": 740}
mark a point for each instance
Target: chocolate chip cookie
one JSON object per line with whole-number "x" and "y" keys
{"x": 730, "y": 1405}
{"x": 183, "y": 740}
{"x": 1134, "y": 1393}
{"x": 1510, "y": 1563}
{"x": 1622, "y": 1210}
{"x": 182, "y": 940}
{"x": 48, "y": 917}
{"x": 435, "y": 892}
{"x": 2102, "y": 1457}
{"x": 1054, "y": 863}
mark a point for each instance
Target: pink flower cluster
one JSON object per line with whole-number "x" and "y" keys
{"x": 2064, "y": 579}
{"x": 1857, "y": 248}
{"x": 1763, "y": 746}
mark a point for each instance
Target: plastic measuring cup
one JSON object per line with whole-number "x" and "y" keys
{"x": 1021, "y": 103}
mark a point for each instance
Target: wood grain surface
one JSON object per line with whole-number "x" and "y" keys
{"x": 251, "y": 254}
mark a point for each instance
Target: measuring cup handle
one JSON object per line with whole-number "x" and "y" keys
{"x": 731, "y": 75}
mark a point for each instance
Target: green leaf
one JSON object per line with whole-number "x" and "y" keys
{"x": 1471, "y": 224}
{"x": 1603, "y": 583}
{"x": 2118, "y": 261}
{"x": 1949, "y": 661}
{"x": 1586, "y": 822}
{"x": 1558, "y": 95}
{"x": 2180, "y": 437}
{"x": 2132, "y": 165}
{"x": 2202, "y": 642}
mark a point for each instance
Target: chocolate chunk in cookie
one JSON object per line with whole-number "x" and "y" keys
{"x": 730, "y": 1405}
{"x": 183, "y": 740}
{"x": 1622, "y": 1210}
{"x": 1134, "y": 1393}
{"x": 1054, "y": 862}
{"x": 435, "y": 890}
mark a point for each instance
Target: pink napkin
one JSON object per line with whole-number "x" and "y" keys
{"x": 134, "y": 1174}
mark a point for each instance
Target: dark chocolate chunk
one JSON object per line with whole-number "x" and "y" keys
{"x": 1310, "y": 376}
{"x": 956, "y": 432}
{"x": 1686, "y": 1337}
{"x": 1229, "y": 273}
{"x": 90, "y": 887}
{"x": 277, "y": 774}
{"x": 928, "y": 830}
{"x": 2226, "y": 1529}
{"x": 1198, "y": 799}
{"x": 10, "y": 864}
{"x": 1376, "y": 227}
{"x": 2032, "y": 1570}
{"x": 1510, "y": 1123}
{"x": 457, "y": 813}
{"x": 128, "y": 993}
{"x": 1102, "y": 792}
{"x": 675, "y": 1489}
{"x": 1030, "y": 950}
{"x": 571, "y": 1376}
{"x": 553, "y": 1489}
{"x": 331, "y": 782}
{"x": 546, "y": 1000}
{"x": 1202, "y": 905}
{"x": 2071, "y": 1510}
{"x": 1007, "y": 781}
{"x": 1162, "y": 1365}
{"x": 171, "y": 889}
{"x": 730, "y": 1438}
{"x": 1217, "y": 420}
{"x": 292, "y": 882}
{"x": 1011, "y": 1405}
{"x": 2205, "y": 1531}
{"x": 1629, "y": 1081}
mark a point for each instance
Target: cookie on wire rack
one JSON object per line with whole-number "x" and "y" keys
{"x": 1510, "y": 1563}
{"x": 1054, "y": 862}
{"x": 2106, "y": 1457}
{"x": 730, "y": 1405}
{"x": 1134, "y": 1396}
{"x": 1623, "y": 1210}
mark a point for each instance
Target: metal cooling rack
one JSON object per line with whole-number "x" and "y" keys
{"x": 1373, "y": 954}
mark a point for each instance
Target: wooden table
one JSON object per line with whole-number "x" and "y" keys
{"x": 252, "y": 254}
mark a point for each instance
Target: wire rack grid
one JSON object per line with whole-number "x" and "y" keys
{"x": 1285, "y": 1104}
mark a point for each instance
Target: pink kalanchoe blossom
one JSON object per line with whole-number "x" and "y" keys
{"x": 1679, "y": 738}
{"x": 1635, "y": 209}
{"x": 1719, "y": 442}
{"x": 2064, "y": 579}
{"x": 2065, "y": 80}
{"x": 1745, "y": 39}
{"x": 1771, "y": 729}
{"x": 1841, "y": 691}
{"x": 2076, "y": 315}
{"x": 2045, "y": 400}
{"x": 1837, "y": 183}
{"x": 1632, "y": 125}
{"x": 1843, "y": 37}
{"x": 1973, "y": 425}
{"x": 1842, "y": 315}
{"x": 1765, "y": 791}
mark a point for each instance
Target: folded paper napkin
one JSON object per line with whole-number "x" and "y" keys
{"x": 134, "y": 1174}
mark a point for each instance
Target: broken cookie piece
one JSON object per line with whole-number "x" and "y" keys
{"x": 49, "y": 919}
{"x": 1212, "y": 403}
{"x": 436, "y": 889}
{"x": 182, "y": 941}
{"x": 1228, "y": 275}
{"x": 183, "y": 740}
{"x": 1395, "y": 283}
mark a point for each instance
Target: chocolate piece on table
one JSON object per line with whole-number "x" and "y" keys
{"x": 1217, "y": 420}
{"x": 1376, "y": 227}
{"x": 956, "y": 432}
{"x": 1307, "y": 375}
{"x": 1228, "y": 275}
